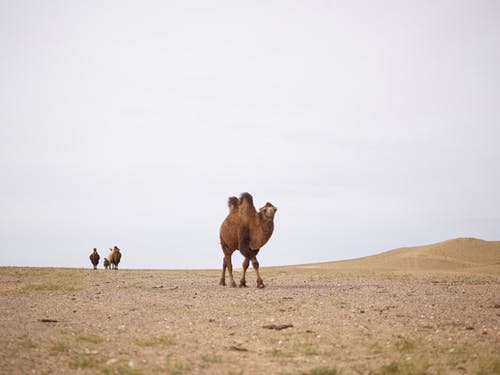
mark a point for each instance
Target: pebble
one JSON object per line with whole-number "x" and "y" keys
{"x": 112, "y": 361}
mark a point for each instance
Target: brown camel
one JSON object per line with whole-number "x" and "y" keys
{"x": 94, "y": 258}
{"x": 106, "y": 263}
{"x": 115, "y": 257}
{"x": 247, "y": 230}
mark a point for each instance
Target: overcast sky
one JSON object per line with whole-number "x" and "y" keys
{"x": 371, "y": 125}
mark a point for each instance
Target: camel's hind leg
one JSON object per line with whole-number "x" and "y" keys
{"x": 222, "y": 281}
{"x": 227, "y": 265}
{"x": 255, "y": 264}
{"x": 246, "y": 263}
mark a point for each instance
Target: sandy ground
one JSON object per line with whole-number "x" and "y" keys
{"x": 308, "y": 320}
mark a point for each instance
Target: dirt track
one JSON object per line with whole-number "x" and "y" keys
{"x": 174, "y": 322}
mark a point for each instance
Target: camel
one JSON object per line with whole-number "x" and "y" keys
{"x": 94, "y": 258}
{"x": 247, "y": 230}
{"x": 106, "y": 263}
{"x": 110, "y": 257}
{"x": 114, "y": 257}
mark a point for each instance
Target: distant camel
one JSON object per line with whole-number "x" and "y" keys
{"x": 109, "y": 256}
{"x": 247, "y": 230}
{"x": 94, "y": 258}
{"x": 115, "y": 257}
{"x": 106, "y": 263}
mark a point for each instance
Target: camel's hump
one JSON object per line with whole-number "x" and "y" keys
{"x": 246, "y": 197}
{"x": 232, "y": 202}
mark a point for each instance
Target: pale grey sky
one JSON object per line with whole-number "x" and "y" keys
{"x": 370, "y": 125}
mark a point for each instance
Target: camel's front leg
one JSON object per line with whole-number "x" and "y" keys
{"x": 255, "y": 264}
{"x": 246, "y": 263}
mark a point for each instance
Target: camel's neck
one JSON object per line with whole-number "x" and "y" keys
{"x": 267, "y": 227}
{"x": 260, "y": 232}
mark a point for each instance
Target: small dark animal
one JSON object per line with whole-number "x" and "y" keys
{"x": 94, "y": 258}
{"x": 106, "y": 263}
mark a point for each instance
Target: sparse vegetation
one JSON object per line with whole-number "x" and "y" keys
{"x": 211, "y": 358}
{"x": 276, "y": 352}
{"x": 279, "y": 353}
{"x": 176, "y": 366}
{"x": 59, "y": 347}
{"x": 309, "y": 350}
{"x": 46, "y": 287}
{"x": 491, "y": 367}
{"x": 157, "y": 340}
{"x": 127, "y": 370}
{"x": 94, "y": 339}
{"x": 323, "y": 371}
{"x": 399, "y": 368}
{"x": 344, "y": 322}
{"x": 404, "y": 344}
{"x": 81, "y": 360}
{"x": 28, "y": 343}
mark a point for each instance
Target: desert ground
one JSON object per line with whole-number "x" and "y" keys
{"x": 425, "y": 310}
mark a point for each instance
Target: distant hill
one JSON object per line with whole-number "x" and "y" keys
{"x": 461, "y": 254}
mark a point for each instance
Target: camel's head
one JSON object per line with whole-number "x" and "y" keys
{"x": 268, "y": 211}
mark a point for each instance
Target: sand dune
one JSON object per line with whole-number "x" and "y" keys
{"x": 461, "y": 254}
